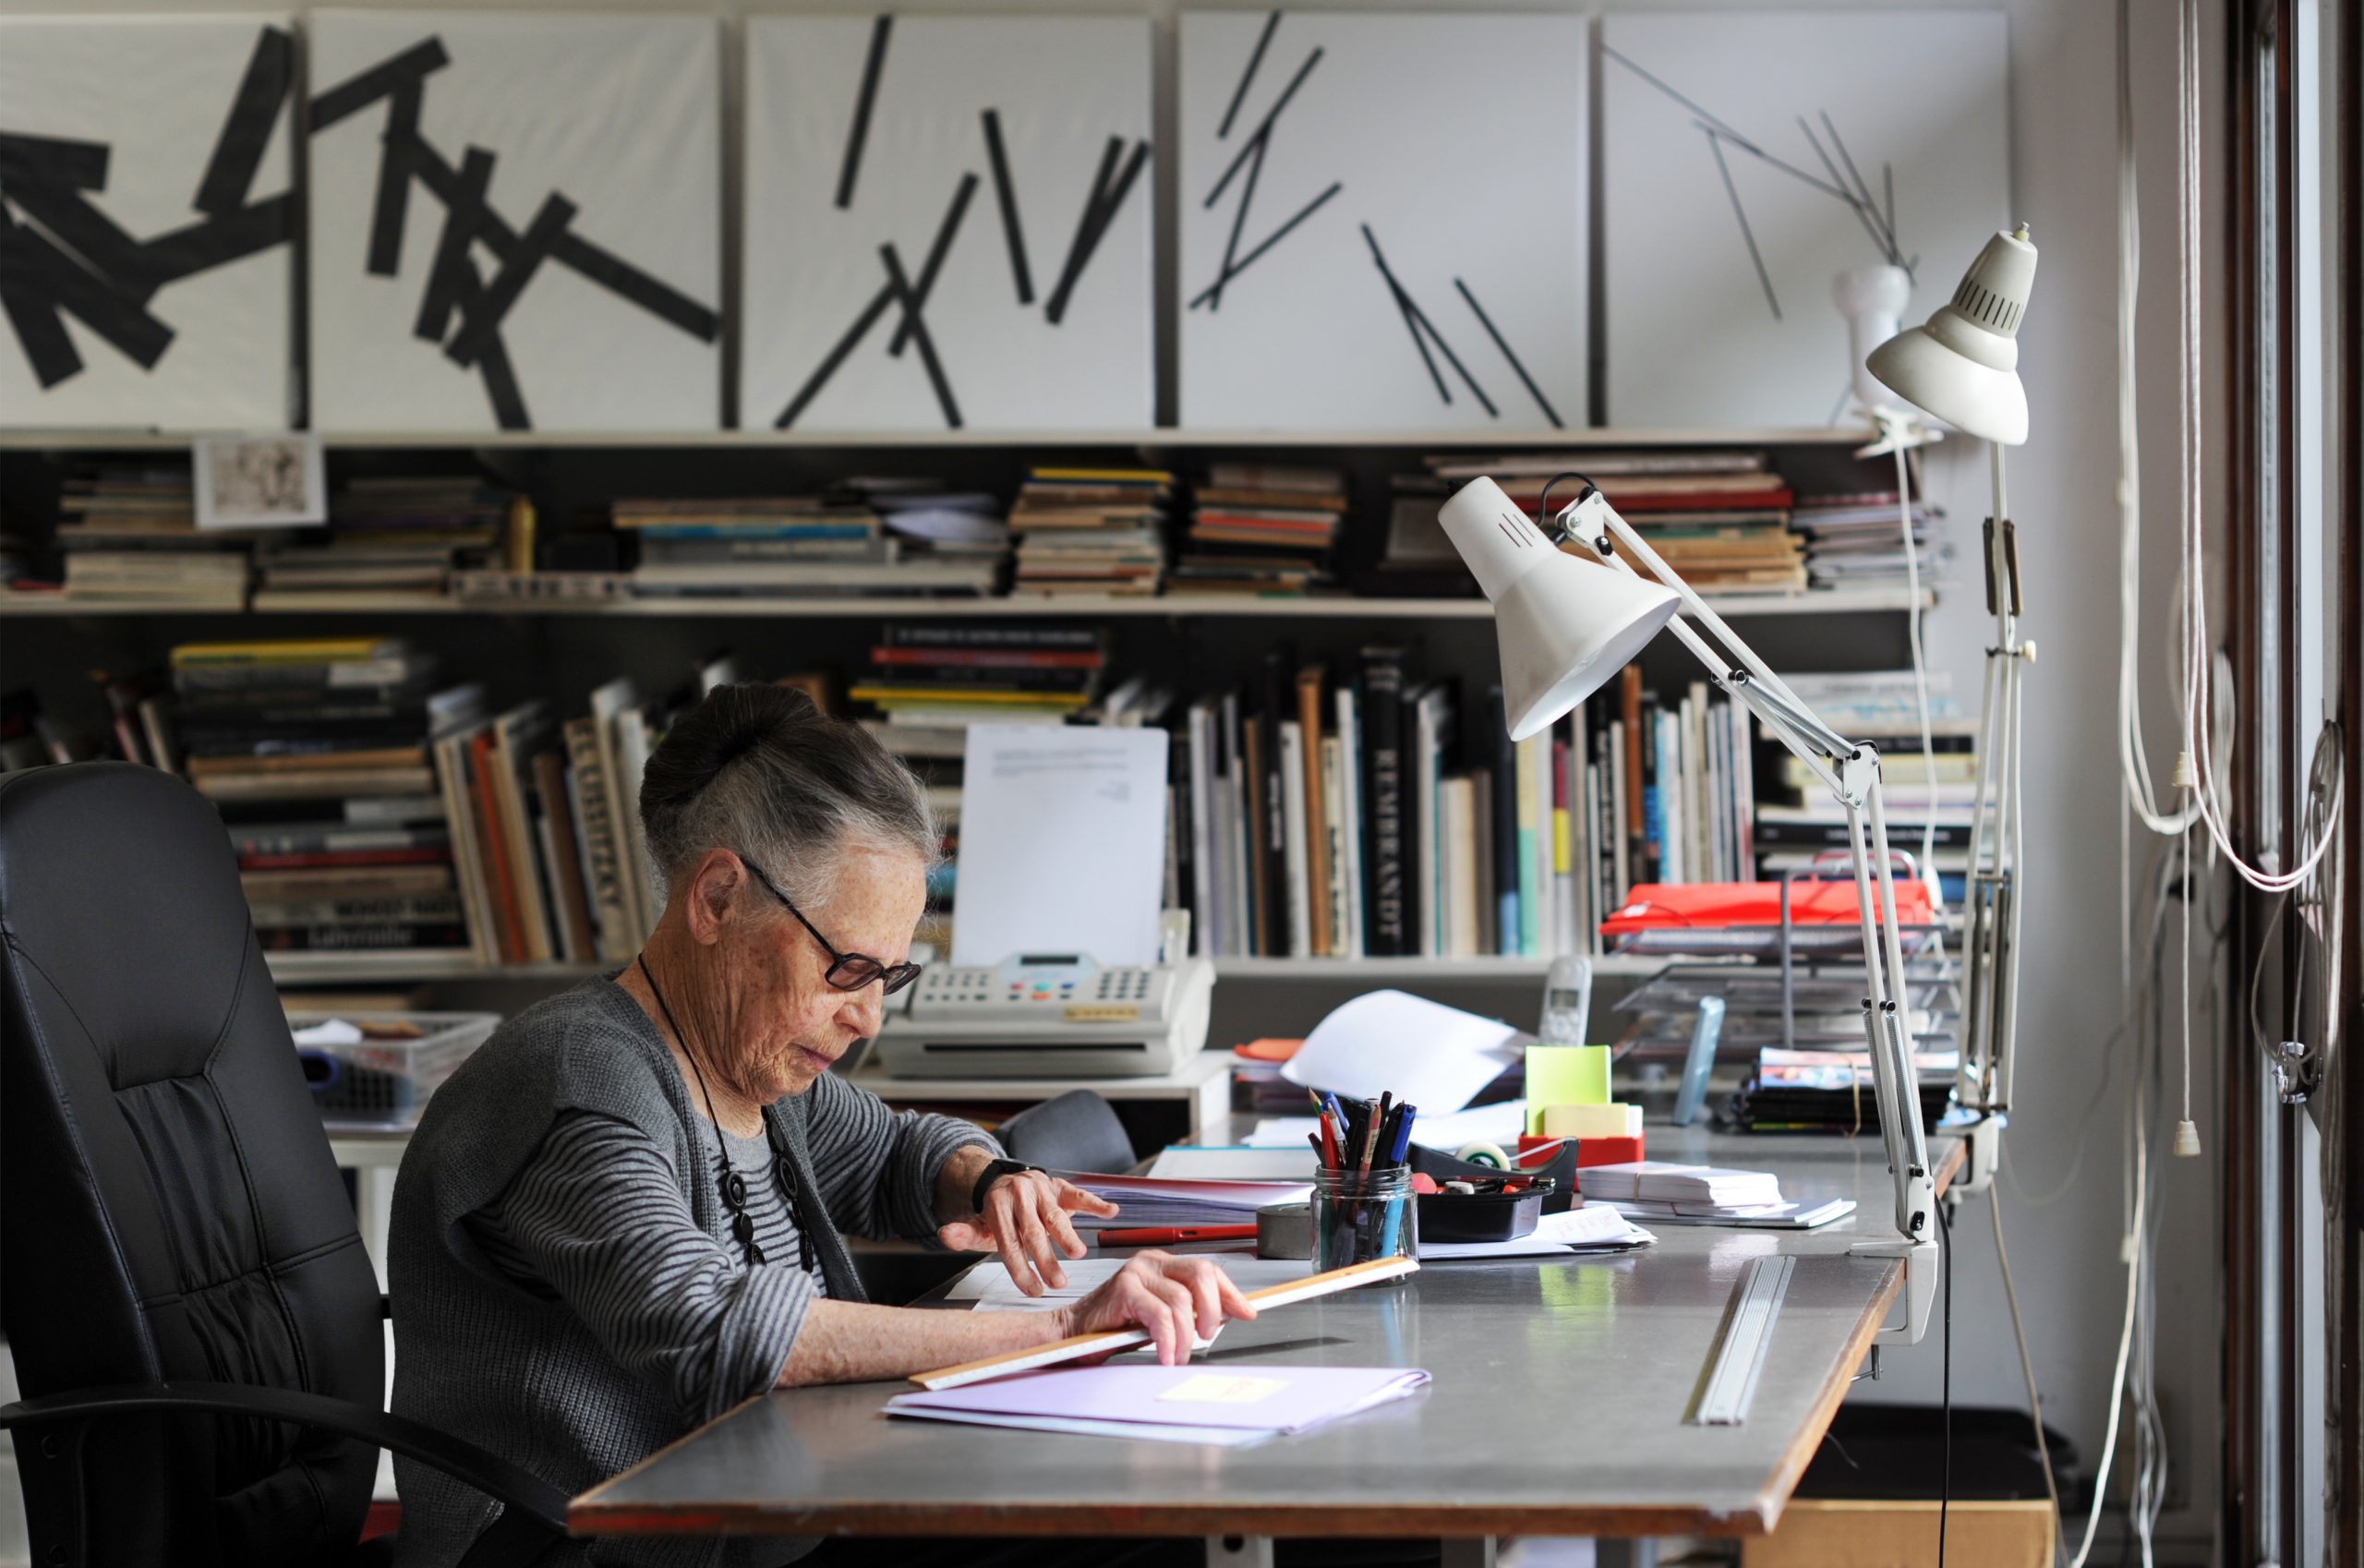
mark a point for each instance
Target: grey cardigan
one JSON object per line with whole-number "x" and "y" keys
{"x": 520, "y": 1371}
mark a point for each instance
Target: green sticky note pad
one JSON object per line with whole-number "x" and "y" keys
{"x": 1564, "y": 1075}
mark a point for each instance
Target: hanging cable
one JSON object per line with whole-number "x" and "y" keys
{"x": 2026, "y": 1370}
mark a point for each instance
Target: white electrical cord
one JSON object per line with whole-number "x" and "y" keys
{"x": 2198, "y": 765}
{"x": 1919, "y": 680}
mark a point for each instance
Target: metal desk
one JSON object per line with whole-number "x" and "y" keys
{"x": 1557, "y": 1408}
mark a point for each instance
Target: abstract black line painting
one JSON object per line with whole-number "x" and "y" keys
{"x": 1376, "y": 234}
{"x": 947, "y": 223}
{"x": 1748, "y": 160}
{"x": 515, "y": 222}
{"x": 145, "y": 215}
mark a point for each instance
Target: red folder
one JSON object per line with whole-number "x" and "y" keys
{"x": 1654, "y": 906}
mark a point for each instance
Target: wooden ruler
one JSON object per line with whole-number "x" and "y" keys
{"x": 1076, "y": 1346}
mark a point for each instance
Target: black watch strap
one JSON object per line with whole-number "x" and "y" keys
{"x": 994, "y": 1170}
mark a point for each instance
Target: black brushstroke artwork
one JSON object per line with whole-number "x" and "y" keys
{"x": 61, "y": 256}
{"x": 1251, "y": 157}
{"x": 1424, "y": 332}
{"x": 458, "y": 308}
{"x": 1493, "y": 332}
{"x": 1099, "y": 209}
{"x": 911, "y": 297}
{"x": 1006, "y": 197}
{"x": 864, "y": 99}
{"x": 1845, "y": 184}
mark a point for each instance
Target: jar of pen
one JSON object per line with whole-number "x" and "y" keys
{"x": 1362, "y": 1188}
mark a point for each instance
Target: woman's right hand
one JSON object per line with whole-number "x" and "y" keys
{"x": 1167, "y": 1296}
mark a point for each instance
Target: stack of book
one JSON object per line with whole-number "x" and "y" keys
{"x": 1928, "y": 793}
{"x": 932, "y": 525}
{"x": 400, "y": 536}
{"x": 316, "y": 751}
{"x": 1259, "y": 528}
{"x": 929, "y": 683}
{"x": 1720, "y": 519}
{"x": 755, "y": 545}
{"x": 1091, "y": 531}
{"x": 1857, "y": 540}
{"x": 130, "y": 533}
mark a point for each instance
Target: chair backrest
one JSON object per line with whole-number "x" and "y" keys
{"x": 1078, "y": 1132}
{"x": 172, "y": 1210}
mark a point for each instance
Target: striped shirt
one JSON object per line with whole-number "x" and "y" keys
{"x": 597, "y": 1221}
{"x": 567, "y": 1290}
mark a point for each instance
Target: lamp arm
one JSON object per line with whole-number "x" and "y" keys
{"x": 1851, "y": 772}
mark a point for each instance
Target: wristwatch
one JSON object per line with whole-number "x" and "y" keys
{"x": 994, "y": 1170}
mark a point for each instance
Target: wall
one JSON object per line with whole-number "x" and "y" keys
{"x": 2065, "y": 1187}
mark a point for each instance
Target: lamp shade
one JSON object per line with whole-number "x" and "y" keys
{"x": 1564, "y": 625}
{"x": 1963, "y": 365}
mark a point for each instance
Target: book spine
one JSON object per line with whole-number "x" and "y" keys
{"x": 556, "y": 791}
{"x": 1383, "y": 715}
{"x": 1295, "y": 827}
{"x": 1314, "y": 845}
{"x": 467, "y": 861}
{"x": 360, "y": 938}
{"x": 1267, "y": 904}
{"x": 1350, "y": 834}
{"x": 483, "y": 766}
{"x": 1485, "y": 830}
{"x": 1334, "y": 829}
{"x": 1205, "y": 888}
{"x": 1502, "y": 773}
{"x": 1530, "y": 848}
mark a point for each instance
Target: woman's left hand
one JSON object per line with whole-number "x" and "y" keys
{"x": 1025, "y": 1220}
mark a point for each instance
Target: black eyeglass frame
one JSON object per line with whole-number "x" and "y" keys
{"x": 847, "y": 971}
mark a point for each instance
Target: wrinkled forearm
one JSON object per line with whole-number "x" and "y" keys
{"x": 848, "y": 1341}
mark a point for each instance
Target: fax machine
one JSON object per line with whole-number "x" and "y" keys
{"x": 1050, "y": 1015}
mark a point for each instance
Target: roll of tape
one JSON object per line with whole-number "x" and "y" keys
{"x": 1484, "y": 1154}
{"x": 1285, "y": 1230}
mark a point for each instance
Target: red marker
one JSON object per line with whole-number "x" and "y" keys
{"x": 1167, "y": 1235}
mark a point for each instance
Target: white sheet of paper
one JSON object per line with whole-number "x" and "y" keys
{"x": 1498, "y": 1125}
{"x": 1062, "y": 843}
{"x": 988, "y": 1285}
{"x": 1571, "y": 1233}
{"x": 1436, "y": 1058}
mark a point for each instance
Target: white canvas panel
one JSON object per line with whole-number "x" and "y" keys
{"x": 1070, "y": 99}
{"x": 144, "y": 182}
{"x": 1447, "y": 151}
{"x": 602, "y": 134}
{"x": 1718, "y": 300}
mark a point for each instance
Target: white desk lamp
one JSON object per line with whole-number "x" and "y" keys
{"x": 1564, "y": 628}
{"x": 1964, "y": 368}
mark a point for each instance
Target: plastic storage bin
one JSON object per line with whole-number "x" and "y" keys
{"x": 382, "y": 1081}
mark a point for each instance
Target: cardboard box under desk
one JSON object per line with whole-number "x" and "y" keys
{"x": 1823, "y": 1532}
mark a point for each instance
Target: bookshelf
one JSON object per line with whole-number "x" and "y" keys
{"x": 1823, "y": 601}
{"x": 561, "y": 649}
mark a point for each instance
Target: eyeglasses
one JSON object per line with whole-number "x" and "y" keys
{"x": 847, "y": 971}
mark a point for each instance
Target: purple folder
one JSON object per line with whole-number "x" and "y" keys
{"x": 1233, "y": 1398}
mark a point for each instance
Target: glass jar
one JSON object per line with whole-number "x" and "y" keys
{"x": 1359, "y": 1218}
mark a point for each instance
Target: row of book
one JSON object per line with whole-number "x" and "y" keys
{"x": 1727, "y": 521}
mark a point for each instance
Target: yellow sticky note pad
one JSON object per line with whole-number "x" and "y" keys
{"x": 1564, "y": 1075}
{"x": 1216, "y": 1388}
{"x": 1581, "y": 1122}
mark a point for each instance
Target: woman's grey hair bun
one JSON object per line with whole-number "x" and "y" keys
{"x": 759, "y": 770}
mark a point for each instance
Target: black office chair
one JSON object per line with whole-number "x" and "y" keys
{"x": 1077, "y": 1131}
{"x": 195, "y": 1325}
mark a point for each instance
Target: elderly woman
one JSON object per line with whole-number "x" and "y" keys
{"x": 625, "y": 1213}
